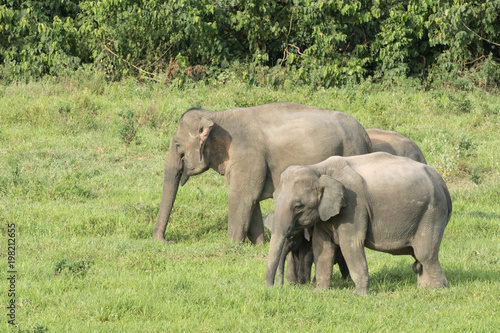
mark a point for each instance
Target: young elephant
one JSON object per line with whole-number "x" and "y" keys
{"x": 298, "y": 271}
{"x": 298, "y": 248}
{"x": 384, "y": 202}
{"x": 394, "y": 143}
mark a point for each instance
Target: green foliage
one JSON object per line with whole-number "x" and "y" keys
{"x": 38, "y": 37}
{"x": 78, "y": 268}
{"x": 317, "y": 42}
{"x": 128, "y": 128}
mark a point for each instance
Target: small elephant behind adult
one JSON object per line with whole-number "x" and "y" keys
{"x": 380, "y": 201}
{"x": 298, "y": 249}
{"x": 395, "y": 144}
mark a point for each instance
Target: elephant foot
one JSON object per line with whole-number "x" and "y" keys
{"x": 421, "y": 283}
{"x": 432, "y": 278}
{"x": 158, "y": 237}
{"x": 323, "y": 285}
{"x": 257, "y": 241}
{"x": 163, "y": 240}
{"x": 361, "y": 291}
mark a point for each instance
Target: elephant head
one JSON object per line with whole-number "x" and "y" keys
{"x": 298, "y": 243}
{"x": 302, "y": 199}
{"x": 186, "y": 157}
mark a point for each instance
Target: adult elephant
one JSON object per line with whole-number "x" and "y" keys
{"x": 250, "y": 147}
{"x": 395, "y": 144}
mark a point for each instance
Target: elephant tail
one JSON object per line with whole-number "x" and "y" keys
{"x": 448, "y": 201}
{"x": 417, "y": 267}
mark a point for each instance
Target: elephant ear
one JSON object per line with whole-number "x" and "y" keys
{"x": 269, "y": 221}
{"x": 332, "y": 198}
{"x": 204, "y": 131}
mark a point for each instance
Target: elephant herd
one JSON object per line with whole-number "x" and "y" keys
{"x": 337, "y": 189}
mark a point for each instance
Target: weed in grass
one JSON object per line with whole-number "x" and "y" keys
{"x": 476, "y": 176}
{"x": 36, "y": 328}
{"x": 64, "y": 110}
{"x": 460, "y": 103}
{"x": 78, "y": 268}
{"x": 15, "y": 169}
{"x": 128, "y": 129}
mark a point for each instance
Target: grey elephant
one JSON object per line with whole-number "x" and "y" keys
{"x": 298, "y": 270}
{"x": 394, "y": 143}
{"x": 250, "y": 147}
{"x": 384, "y": 202}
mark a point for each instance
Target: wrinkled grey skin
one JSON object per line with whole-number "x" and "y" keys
{"x": 250, "y": 147}
{"x": 298, "y": 248}
{"x": 382, "y": 141}
{"x": 394, "y": 143}
{"x": 386, "y": 203}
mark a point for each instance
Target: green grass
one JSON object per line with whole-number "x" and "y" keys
{"x": 85, "y": 206}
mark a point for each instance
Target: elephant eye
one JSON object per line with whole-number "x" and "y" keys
{"x": 298, "y": 208}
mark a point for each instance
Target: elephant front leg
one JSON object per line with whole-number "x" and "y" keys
{"x": 244, "y": 214}
{"x": 306, "y": 259}
{"x": 291, "y": 269}
{"x": 354, "y": 254}
{"x": 323, "y": 250}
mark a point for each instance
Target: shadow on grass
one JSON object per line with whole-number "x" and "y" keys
{"x": 477, "y": 214}
{"x": 397, "y": 276}
{"x": 205, "y": 230}
{"x": 459, "y": 276}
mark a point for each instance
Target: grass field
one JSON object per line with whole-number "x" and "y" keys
{"x": 84, "y": 197}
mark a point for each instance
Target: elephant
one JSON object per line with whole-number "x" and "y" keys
{"x": 298, "y": 247}
{"x": 250, "y": 147}
{"x": 298, "y": 271}
{"x": 394, "y": 143}
{"x": 380, "y": 201}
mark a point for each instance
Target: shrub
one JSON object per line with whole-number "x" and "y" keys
{"x": 319, "y": 42}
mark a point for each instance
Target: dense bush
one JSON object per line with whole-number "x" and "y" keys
{"x": 322, "y": 42}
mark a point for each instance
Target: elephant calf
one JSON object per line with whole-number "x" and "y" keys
{"x": 384, "y": 202}
{"x": 298, "y": 248}
{"x": 298, "y": 269}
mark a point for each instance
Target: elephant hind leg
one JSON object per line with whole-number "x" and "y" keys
{"x": 427, "y": 266}
{"x": 256, "y": 230}
{"x": 432, "y": 276}
{"x": 339, "y": 259}
{"x": 429, "y": 272}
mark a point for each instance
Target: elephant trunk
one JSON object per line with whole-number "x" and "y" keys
{"x": 287, "y": 248}
{"x": 171, "y": 179}
{"x": 281, "y": 229}
{"x": 273, "y": 259}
